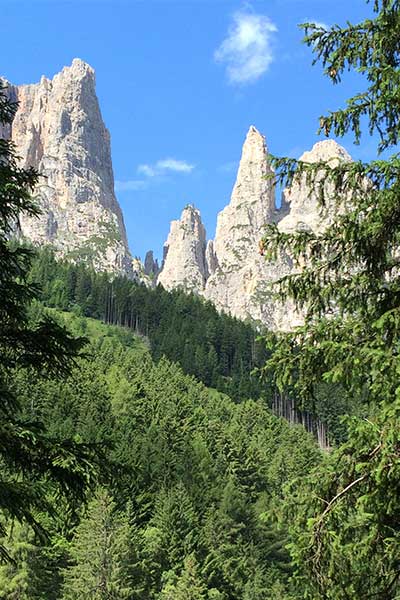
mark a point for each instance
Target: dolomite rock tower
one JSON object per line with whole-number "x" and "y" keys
{"x": 304, "y": 212}
{"x": 58, "y": 129}
{"x": 184, "y": 263}
{"x": 239, "y": 278}
{"x": 229, "y": 271}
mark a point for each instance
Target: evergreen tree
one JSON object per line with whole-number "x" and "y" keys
{"x": 100, "y": 554}
{"x": 202, "y": 474}
{"x": 16, "y": 575}
{"x": 32, "y": 573}
{"x": 346, "y": 534}
{"x": 175, "y": 518}
{"x": 28, "y": 456}
{"x": 188, "y": 586}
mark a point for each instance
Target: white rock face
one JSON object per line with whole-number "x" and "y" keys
{"x": 230, "y": 271}
{"x": 58, "y": 129}
{"x": 240, "y": 281}
{"x": 184, "y": 264}
{"x": 252, "y": 204}
{"x": 304, "y": 210}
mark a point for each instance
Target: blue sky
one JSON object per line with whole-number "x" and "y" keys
{"x": 179, "y": 84}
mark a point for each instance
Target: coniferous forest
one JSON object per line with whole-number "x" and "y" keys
{"x": 217, "y": 349}
{"x": 139, "y": 455}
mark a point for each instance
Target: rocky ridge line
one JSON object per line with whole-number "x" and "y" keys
{"x": 229, "y": 270}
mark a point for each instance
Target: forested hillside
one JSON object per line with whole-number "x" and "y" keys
{"x": 185, "y": 505}
{"x": 217, "y": 349}
{"x": 139, "y": 459}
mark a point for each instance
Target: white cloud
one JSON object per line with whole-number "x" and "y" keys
{"x": 161, "y": 167}
{"x": 147, "y": 170}
{"x": 132, "y": 185}
{"x": 247, "y": 49}
{"x": 171, "y": 164}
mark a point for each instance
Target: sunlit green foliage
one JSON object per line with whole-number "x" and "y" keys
{"x": 195, "y": 478}
{"x": 219, "y": 350}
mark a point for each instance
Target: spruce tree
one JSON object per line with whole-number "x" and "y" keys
{"x": 28, "y": 456}
{"x": 188, "y": 586}
{"x": 345, "y": 524}
{"x": 100, "y": 554}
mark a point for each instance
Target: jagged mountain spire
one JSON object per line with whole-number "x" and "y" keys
{"x": 252, "y": 203}
{"x": 239, "y": 272}
{"x": 184, "y": 262}
{"x": 58, "y": 129}
{"x": 304, "y": 211}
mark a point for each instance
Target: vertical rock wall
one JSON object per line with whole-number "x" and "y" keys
{"x": 58, "y": 129}
{"x": 184, "y": 262}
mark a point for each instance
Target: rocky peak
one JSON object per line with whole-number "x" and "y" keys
{"x": 230, "y": 271}
{"x": 151, "y": 267}
{"x": 252, "y": 204}
{"x": 325, "y": 151}
{"x": 251, "y": 183}
{"x": 184, "y": 263}
{"x": 58, "y": 129}
{"x": 304, "y": 211}
{"x": 238, "y": 270}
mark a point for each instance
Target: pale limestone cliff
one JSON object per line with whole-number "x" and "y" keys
{"x": 240, "y": 280}
{"x": 230, "y": 271}
{"x": 184, "y": 264}
{"x": 304, "y": 212}
{"x": 58, "y": 129}
{"x": 252, "y": 204}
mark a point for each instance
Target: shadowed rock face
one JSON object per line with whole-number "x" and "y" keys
{"x": 151, "y": 267}
{"x": 230, "y": 271}
{"x": 58, "y": 129}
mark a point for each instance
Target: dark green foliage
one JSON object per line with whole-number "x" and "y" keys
{"x": 196, "y": 478}
{"x": 350, "y": 511}
{"x": 344, "y": 519}
{"x": 29, "y": 457}
{"x": 100, "y": 554}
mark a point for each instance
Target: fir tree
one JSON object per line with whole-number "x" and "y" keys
{"x": 42, "y": 348}
{"x": 346, "y": 535}
{"x": 188, "y": 586}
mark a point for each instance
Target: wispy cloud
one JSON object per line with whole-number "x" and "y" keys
{"x": 247, "y": 49}
{"x": 161, "y": 167}
{"x": 147, "y": 170}
{"x": 132, "y": 185}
